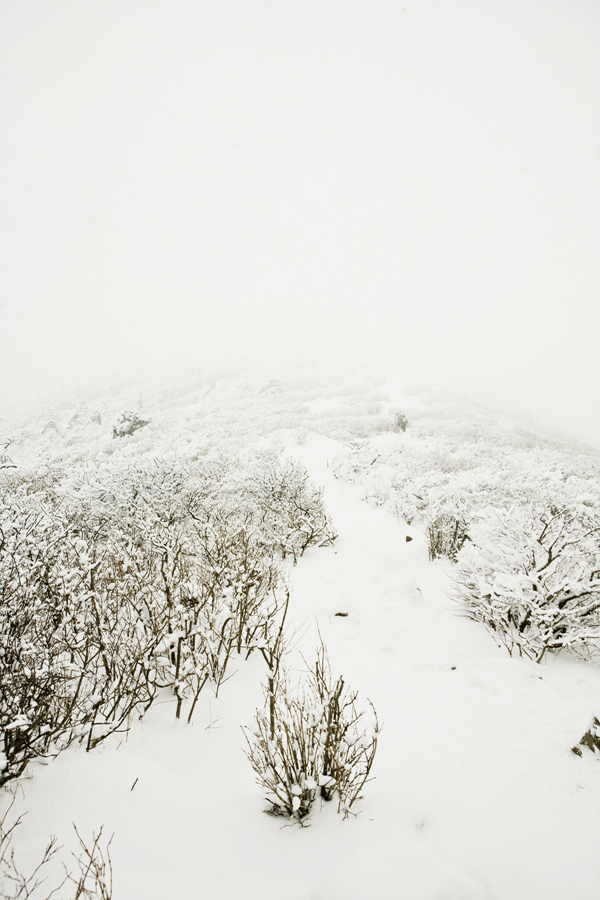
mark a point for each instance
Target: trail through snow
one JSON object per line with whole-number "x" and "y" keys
{"x": 474, "y": 760}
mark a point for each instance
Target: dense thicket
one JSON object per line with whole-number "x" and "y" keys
{"x": 117, "y": 581}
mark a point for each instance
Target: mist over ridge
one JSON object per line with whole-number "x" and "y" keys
{"x": 413, "y": 186}
{"x": 225, "y": 402}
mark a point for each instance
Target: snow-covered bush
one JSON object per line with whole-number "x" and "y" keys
{"x": 73, "y": 645}
{"x": 212, "y": 583}
{"x": 35, "y": 686}
{"x": 119, "y": 580}
{"x": 400, "y": 422}
{"x": 445, "y": 466}
{"x": 226, "y": 603}
{"x": 308, "y": 741}
{"x": 128, "y": 423}
{"x": 286, "y": 509}
{"x": 356, "y": 460}
{"x": 446, "y": 534}
{"x": 534, "y": 581}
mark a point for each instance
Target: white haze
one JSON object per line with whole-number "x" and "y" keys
{"x": 414, "y": 183}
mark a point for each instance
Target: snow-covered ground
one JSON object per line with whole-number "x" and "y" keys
{"x": 477, "y": 794}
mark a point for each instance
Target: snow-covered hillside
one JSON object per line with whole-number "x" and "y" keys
{"x": 476, "y": 795}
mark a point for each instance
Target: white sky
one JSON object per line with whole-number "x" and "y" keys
{"x": 413, "y": 180}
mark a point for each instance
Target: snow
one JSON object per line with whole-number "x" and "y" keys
{"x": 477, "y": 795}
{"x": 395, "y": 870}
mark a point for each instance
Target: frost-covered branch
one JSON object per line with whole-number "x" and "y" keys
{"x": 532, "y": 581}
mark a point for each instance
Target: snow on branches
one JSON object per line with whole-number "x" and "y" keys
{"x": 118, "y": 581}
{"x": 443, "y": 472}
{"x": 309, "y": 741}
{"x": 532, "y": 580}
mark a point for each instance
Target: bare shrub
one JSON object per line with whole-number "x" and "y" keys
{"x": 308, "y": 742}
{"x": 14, "y": 884}
{"x": 93, "y": 881}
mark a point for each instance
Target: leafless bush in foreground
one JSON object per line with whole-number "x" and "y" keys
{"x": 308, "y": 741}
{"x": 92, "y": 882}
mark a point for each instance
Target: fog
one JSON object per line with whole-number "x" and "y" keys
{"x": 415, "y": 183}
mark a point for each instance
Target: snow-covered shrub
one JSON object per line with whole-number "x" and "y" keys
{"x": 128, "y": 423}
{"x": 356, "y": 460}
{"x": 308, "y": 741}
{"x": 109, "y": 643}
{"x": 447, "y": 534}
{"x": 533, "y": 580}
{"x": 119, "y": 580}
{"x": 287, "y": 510}
{"x": 227, "y": 604}
{"x": 453, "y": 466}
{"x": 73, "y": 646}
{"x": 35, "y": 686}
{"x": 212, "y": 585}
{"x": 400, "y": 422}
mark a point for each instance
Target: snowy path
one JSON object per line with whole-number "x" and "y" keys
{"x": 475, "y": 782}
{"x": 474, "y": 760}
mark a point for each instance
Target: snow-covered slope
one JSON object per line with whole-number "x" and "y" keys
{"x": 477, "y": 794}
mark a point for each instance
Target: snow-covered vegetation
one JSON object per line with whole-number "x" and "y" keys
{"x": 519, "y": 514}
{"x": 170, "y": 555}
{"x": 534, "y": 582}
{"x": 308, "y": 741}
{"x": 123, "y": 582}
